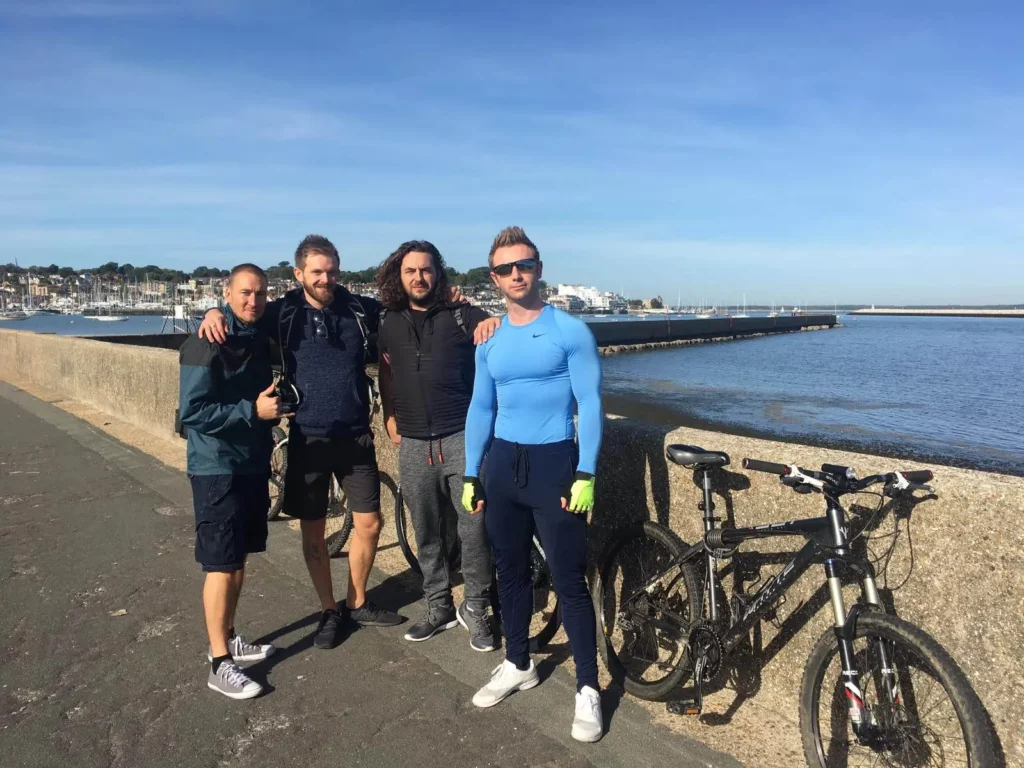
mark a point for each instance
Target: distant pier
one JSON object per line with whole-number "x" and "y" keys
{"x": 941, "y": 312}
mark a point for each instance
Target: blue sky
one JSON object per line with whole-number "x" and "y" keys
{"x": 796, "y": 152}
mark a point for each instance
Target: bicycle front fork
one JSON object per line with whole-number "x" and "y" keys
{"x": 861, "y": 718}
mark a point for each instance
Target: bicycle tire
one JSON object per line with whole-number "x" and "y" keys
{"x": 337, "y": 507}
{"x": 402, "y": 530}
{"x": 979, "y": 743}
{"x": 541, "y": 635}
{"x": 647, "y": 536}
{"x": 404, "y": 527}
{"x": 278, "y": 471}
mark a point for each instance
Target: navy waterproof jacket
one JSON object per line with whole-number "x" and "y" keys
{"x": 218, "y": 387}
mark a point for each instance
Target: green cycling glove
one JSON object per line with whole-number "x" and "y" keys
{"x": 581, "y": 494}
{"x": 472, "y": 493}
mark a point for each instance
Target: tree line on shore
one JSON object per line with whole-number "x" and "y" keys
{"x": 478, "y": 277}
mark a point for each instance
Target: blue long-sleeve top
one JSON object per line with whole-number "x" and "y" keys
{"x": 528, "y": 378}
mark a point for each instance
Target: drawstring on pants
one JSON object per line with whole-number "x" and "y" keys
{"x": 521, "y": 459}
{"x": 430, "y": 451}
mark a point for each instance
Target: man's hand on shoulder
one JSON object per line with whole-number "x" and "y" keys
{"x": 485, "y": 330}
{"x": 214, "y": 327}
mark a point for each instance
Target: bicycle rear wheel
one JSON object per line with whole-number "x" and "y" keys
{"x": 278, "y": 470}
{"x": 645, "y": 600}
{"x": 933, "y": 717}
{"x": 338, "y": 523}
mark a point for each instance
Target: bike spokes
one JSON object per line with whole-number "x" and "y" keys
{"x": 908, "y": 716}
{"x": 646, "y": 610}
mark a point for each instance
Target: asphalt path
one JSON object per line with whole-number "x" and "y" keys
{"x": 104, "y": 653}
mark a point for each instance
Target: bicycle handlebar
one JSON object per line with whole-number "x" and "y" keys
{"x": 840, "y": 478}
{"x": 918, "y": 475}
{"x": 766, "y": 466}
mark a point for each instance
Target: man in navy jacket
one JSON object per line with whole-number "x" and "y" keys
{"x": 227, "y": 406}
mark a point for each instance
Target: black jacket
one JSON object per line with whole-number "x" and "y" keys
{"x": 432, "y": 375}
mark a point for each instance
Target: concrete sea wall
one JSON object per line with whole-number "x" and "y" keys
{"x": 955, "y": 568}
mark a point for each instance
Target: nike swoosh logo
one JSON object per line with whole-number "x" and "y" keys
{"x": 537, "y": 334}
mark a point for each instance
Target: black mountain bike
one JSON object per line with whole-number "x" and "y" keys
{"x": 546, "y": 617}
{"x": 876, "y": 690}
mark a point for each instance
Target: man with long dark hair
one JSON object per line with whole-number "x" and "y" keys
{"x": 426, "y": 383}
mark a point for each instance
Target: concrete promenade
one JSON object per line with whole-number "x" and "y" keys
{"x": 90, "y": 527}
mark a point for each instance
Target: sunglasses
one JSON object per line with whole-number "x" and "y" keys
{"x": 320, "y": 327}
{"x": 523, "y": 265}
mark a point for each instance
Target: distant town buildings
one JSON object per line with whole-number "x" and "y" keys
{"x": 591, "y": 298}
{"x": 64, "y": 290}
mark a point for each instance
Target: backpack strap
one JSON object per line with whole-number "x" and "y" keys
{"x": 460, "y": 319}
{"x": 360, "y": 314}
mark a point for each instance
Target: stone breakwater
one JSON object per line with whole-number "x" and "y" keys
{"x": 614, "y": 349}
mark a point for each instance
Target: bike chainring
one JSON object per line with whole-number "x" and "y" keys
{"x": 704, "y": 639}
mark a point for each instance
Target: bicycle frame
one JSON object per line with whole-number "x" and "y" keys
{"x": 827, "y": 542}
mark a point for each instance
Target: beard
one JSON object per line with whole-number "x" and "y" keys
{"x": 324, "y": 294}
{"x": 422, "y": 296}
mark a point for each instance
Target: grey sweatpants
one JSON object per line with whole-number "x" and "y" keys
{"x": 431, "y": 474}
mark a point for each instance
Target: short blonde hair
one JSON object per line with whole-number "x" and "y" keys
{"x": 511, "y": 236}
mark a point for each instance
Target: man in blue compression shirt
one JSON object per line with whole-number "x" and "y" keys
{"x": 539, "y": 364}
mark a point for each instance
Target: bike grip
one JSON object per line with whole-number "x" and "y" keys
{"x": 918, "y": 475}
{"x": 766, "y": 466}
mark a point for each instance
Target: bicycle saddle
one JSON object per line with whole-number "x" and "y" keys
{"x": 692, "y": 456}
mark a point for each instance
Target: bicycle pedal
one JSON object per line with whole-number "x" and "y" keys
{"x": 683, "y": 708}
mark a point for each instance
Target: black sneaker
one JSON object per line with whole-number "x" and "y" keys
{"x": 328, "y": 632}
{"x": 371, "y": 615}
{"x": 438, "y": 619}
{"x": 481, "y": 636}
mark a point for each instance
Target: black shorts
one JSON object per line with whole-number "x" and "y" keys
{"x": 231, "y": 519}
{"x": 312, "y": 461}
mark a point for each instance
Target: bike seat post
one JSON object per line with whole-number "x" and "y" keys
{"x": 709, "y": 504}
{"x": 709, "y": 524}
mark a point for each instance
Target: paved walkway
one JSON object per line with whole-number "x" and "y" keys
{"x": 90, "y": 528}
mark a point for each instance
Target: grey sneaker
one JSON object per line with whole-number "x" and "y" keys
{"x": 481, "y": 636}
{"x": 233, "y": 682}
{"x": 437, "y": 619}
{"x": 242, "y": 650}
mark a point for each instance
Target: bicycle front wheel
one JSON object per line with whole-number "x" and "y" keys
{"x": 645, "y": 599}
{"x": 920, "y": 707}
{"x": 339, "y": 522}
{"x": 278, "y": 470}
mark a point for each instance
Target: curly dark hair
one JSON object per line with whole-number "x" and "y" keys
{"x": 390, "y": 291}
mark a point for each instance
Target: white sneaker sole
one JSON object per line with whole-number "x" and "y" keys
{"x": 587, "y": 738}
{"x": 250, "y": 657}
{"x": 458, "y": 617}
{"x": 237, "y": 696}
{"x": 524, "y": 686}
{"x": 441, "y": 628}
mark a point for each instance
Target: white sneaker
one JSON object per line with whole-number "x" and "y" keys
{"x": 506, "y": 678}
{"x": 588, "y": 724}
